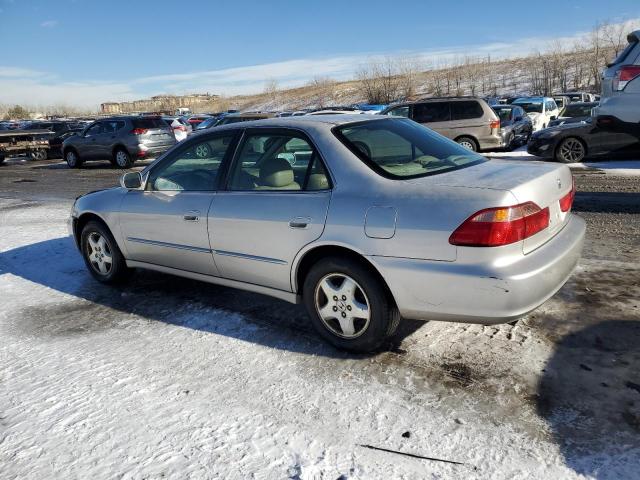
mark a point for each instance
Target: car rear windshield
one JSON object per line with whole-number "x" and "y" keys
{"x": 503, "y": 113}
{"x": 576, "y": 111}
{"x": 530, "y": 107}
{"x": 400, "y": 148}
{"x": 623, "y": 55}
{"x": 154, "y": 122}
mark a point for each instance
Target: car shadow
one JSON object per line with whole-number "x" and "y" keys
{"x": 251, "y": 317}
{"x": 607, "y": 202}
{"x": 590, "y": 396}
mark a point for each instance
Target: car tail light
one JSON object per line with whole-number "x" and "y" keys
{"x": 139, "y": 131}
{"x": 493, "y": 227}
{"x": 182, "y": 128}
{"x": 494, "y": 124}
{"x": 625, "y": 75}
{"x": 567, "y": 201}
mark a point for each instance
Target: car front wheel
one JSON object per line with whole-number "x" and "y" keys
{"x": 570, "y": 150}
{"x": 348, "y": 305}
{"x": 72, "y": 159}
{"x": 102, "y": 255}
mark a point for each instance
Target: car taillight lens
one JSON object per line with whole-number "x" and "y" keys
{"x": 138, "y": 131}
{"x": 494, "y": 124}
{"x": 625, "y": 75}
{"x": 567, "y": 201}
{"x": 181, "y": 128}
{"x": 494, "y": 227}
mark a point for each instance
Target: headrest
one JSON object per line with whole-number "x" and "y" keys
{"x": 276, "y": 172}
{"x": 318, "y": 181}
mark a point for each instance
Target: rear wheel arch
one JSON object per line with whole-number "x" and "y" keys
{"x": 117, "y": 147}
{"x": 316, "y": 254}
{"x": 563, "y": 139}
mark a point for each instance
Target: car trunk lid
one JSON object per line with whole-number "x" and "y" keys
{"x": 541, "y": 183}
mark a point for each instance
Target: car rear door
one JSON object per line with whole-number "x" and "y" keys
{"x": 167, "y": 223}
{"x": 275, "y": 202}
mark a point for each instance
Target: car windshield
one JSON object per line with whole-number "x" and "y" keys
{"x": 530, "y": 107}
{"x": 401, "y": 148}
{"x": 576, "y": 111}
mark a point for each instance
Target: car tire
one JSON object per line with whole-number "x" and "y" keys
{"x": 38, "y": 154}
{"x": 342, "y": 286}
{"x": 468, "y": 143}
{"x": 72, "y": 158}
{"x": 570, "y": 150}
{"x": 101, "y": 254}
{"x": 510, "y": 142}
{"x": 203, "y": 150}
{"x": 121, "y": 158}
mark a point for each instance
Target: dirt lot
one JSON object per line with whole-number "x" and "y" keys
{"x": 174, "y": 378}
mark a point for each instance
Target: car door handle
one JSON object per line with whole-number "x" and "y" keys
{"x": 300, "y": 222}
{"x": 192, "y": 216}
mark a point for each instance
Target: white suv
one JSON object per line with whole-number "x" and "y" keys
{"x": 541, "y": 110}
{"x": 619, "y": 109}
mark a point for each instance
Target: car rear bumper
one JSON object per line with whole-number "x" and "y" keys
{"x": 150, "y": 151}
{"x": 483, "y": 293}
{"x": 492, "y": 141}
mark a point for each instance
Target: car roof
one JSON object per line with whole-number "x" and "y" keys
{"x": 301, "y": 121}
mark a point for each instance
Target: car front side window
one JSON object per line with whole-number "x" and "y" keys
{"x": 195, "y": 167}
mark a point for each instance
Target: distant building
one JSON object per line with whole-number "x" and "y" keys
{"x": 161, "y": 103}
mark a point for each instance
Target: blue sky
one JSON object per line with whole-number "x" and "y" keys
{"x": 84, "y": 51}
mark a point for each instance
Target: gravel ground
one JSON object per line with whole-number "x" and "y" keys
{"x": 166, "y": 378}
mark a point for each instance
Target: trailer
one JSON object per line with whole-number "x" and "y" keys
{"x": 34, "y": 143}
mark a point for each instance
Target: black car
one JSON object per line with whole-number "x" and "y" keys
{"x": 573, "y": 142}
{"x": 515, "y": 125}
{"x": 574, "y": 113}
{"x": 59, "y": 129}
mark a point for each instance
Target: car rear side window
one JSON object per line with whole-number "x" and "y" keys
{"x": 625, "y": 53}
{"x": 401, "y": 149}
{"x": 431, "y": 112}
{"x": 466, "y": 110}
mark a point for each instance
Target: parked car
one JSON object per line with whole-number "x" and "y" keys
{"x": 181, "y": 129}
{"x": 208, "y": 123}
{"x": 561, "y": 101}
{"x": 515, "y": 125}
{"x": 582, "y": 97}
{"x": 573, "y": 142}
{"x": 541, "y": 110}
{"x": 574, "y": 113}
{"x": 242, "y": 117}
{"x": 364, "y": 219}
{"x": 60, "y": 129}
{"x": 337, "y": 111}
{"x": 469, "y": 121}
{"x": 619, "y": 109}
{"x": 122, "y": 140}
{"x": 195, "y": 120}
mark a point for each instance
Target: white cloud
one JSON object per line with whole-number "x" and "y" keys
{"x": 49, "y": 23}
{"x": 26, "y": 86}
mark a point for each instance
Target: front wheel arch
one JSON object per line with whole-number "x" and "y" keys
{"x": 469, "y": 137}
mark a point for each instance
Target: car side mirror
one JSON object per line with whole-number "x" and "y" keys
{"x": 131, "y": 180}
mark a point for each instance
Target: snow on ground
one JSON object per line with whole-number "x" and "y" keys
{"x": 177, "y": 379}
{"x": 625, "y": 168}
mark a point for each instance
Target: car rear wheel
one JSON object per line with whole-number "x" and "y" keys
{"x": 122, "y": 158}
{"x": 39, "y": 154}
{"x": 203, "y": 151}
{"x": 571, "y": 150}
{"x": 102, "y": 255}
{"x": 510, "y": 143}
{"x": 72, "y": 159}
{"x": 348, "y": 305}
{"x": 468, "y": 143}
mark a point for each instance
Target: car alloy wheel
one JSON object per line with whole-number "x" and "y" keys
{"x": 99, "y": 254}
{"x": 122, "y": 159}
{"x": 342, "y": 305}
{"x": 571, "y": 150}
{"x": 467, "y": 143}
{"x": 202, "y": 151}
{"x": 71, "y": 158}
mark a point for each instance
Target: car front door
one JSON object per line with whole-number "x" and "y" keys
{"x": 275, "y": 202}
{"x": 166, "y": 223}
{"x": 87, "y": 143}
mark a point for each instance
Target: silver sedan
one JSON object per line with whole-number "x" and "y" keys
{"x": 364, "y": 220}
